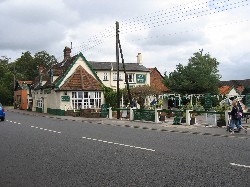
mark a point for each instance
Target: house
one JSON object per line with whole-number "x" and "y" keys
{"x": 107, "y": 72}
{"x": 76, "y": 84}
{"x": 22, "y": 95}
{"x": 69, "y": 85}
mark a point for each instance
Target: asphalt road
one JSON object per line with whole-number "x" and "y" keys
{"x": 39, "y": 151}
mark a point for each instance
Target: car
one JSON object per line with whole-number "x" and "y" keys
{"x": 2, "y": 113}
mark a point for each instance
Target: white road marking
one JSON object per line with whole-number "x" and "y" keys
{"x": 45, "y": 129}
{"x": 240, "y": 165}
{"x": 50, "y": 130}
{"x": 41, "y": 128}
{"x": 36, "y": 127}
{"x": 11, "y": 121}
{"x": 19, "y": 123}
{"x": 115, "y": 143}
{"x": 14, "y": 122}
{"x": 54, "y": 131}
{"x": 59, "y": 132}
{"x": 32, "y": 126}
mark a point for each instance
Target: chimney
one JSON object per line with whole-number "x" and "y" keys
{"x": 67, "y": 52}
{"x": 139, "y": 58}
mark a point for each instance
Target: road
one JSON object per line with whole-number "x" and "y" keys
{"x": 39, "y": 151}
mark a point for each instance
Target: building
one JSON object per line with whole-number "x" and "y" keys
{"x": 76, "y": 83}
{"x": 22, "y": 95}
{"x": 107, "y": 72}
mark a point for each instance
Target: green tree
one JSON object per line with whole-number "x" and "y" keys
{"x": 199, "y": 76}
{"x": 25, "y": 67}
{"x": 6, "y": 82}
{"x": 45, "y": 59}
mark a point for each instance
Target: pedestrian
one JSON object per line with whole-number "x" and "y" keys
{"x": 239, "y": 115}
{"x": 234, "y": 117}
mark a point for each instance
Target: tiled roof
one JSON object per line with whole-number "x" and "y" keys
{"x": 223, "y": 90}
{"x": 81, "y": 80}
{"x": 113, "y": 65}
{"x": 235, "y": 83}
{"x": 156, "y": 80}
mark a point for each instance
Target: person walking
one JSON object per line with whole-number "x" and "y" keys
{"x": 234, "y": 117}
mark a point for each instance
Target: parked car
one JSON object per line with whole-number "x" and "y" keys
{"x": 2, "y": 113}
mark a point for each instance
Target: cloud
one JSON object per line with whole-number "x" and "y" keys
{"x": 165, "y": 32}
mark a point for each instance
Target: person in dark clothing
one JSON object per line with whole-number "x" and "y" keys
{"x": 234, "y": 117}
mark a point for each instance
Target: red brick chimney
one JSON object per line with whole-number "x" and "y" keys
{"x": 67, "y": 52}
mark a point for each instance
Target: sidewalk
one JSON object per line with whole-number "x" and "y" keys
{"x": 166, "y": 126}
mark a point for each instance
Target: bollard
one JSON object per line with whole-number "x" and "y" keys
{"x": 110, "y": 113}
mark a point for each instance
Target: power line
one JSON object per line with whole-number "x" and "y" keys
{"x": 164, "y": 17}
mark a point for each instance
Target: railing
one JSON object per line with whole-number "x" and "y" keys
{"x": 153, "y": 115}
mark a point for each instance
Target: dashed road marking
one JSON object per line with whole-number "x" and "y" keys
{"x": 40, "y": 128}
{"x": 120, "y": 144}
{"x": 240, "y": 165}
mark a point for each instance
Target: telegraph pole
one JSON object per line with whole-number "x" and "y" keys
{"x": 118, "y": 71}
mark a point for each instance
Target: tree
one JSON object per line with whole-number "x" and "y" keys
{"x": 25, "y": 67}
{"x": 198, "y": 77}
{"x": 45, "y": 59}
{"x": 6, "y": 82}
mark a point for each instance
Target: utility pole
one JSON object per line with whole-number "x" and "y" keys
{"x": 118, "y": 71}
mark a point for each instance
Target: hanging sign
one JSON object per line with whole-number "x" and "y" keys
{"x": 140, "y": 78}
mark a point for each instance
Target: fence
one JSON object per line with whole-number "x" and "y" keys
{"x": 188, "y": 116}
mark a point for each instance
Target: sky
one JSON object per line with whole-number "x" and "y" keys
{"x": 165, "y": 32}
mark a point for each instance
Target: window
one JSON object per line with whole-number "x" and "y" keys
{"x": 39, "y": 103}
{"x": 115, "y": 76}
{"x": 105, "y": 76}
{"x": 86, "y": 100}
{"x": 131, "y": 77}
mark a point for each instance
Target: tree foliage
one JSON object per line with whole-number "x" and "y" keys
{"x": 23, "y": 68}
{"x": 199, "y": 76}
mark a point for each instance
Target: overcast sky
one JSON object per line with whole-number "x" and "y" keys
{"x": 165, "y": 32}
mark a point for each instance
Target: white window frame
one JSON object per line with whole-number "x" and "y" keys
{"x": 132, "y": 79}
{"x": 105, "y": 76}
{"x": 83, "y": 99}
{"x": 39, "y": 103}
{"x": 115, "y": 76}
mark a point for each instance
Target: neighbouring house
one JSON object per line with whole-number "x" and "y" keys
{"x": 242, "y": 86}
{"x": 77, "y": 84}
{"x": 22, "y": 95}
{"x": 156, "y": 80}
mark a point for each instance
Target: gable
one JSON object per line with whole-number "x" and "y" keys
{"x": 156, "y": 80}
{"x": 78, "y": 61}
{"x": 81, "y": 80}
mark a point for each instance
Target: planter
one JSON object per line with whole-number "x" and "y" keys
{"x": 221, "y": 123}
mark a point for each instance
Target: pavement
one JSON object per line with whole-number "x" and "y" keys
{"x": 200, "y": 128}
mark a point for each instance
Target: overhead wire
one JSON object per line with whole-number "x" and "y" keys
{"x": 163, "y": 17}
